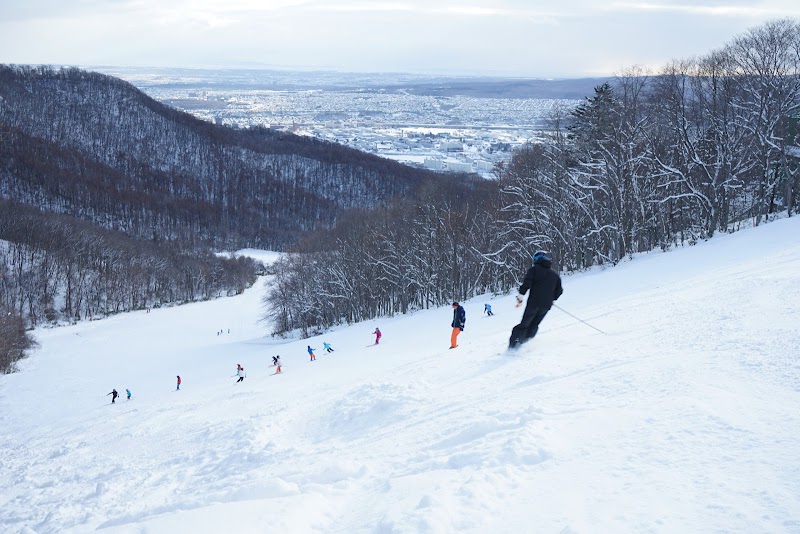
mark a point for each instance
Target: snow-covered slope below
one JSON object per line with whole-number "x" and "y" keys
{"x": 682, "y": 418}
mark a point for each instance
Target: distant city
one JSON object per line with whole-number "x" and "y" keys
{"x": 448, "y": 125}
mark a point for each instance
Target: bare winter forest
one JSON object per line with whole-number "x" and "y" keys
{"x": 651, "y": 160}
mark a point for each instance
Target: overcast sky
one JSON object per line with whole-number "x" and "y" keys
{"x": 561, "y": 38}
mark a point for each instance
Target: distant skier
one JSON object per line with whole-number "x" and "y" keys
{"x": 129, "y": 393}
{"x": 311, "y": 354}
{"x": 327, "y": 347}
{"x": 114, "y": 395}
{"x": 241, "y": 374}
{"x": 378, "y": 334}
{"x": 545, "y": 286}
{"x": 277, "y": 360}
{"x": 179, "y": 383}
{"x": 459, "y": 319}
{"x": 487, "y": 308}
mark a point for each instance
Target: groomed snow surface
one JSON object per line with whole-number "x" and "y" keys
{"x": 682, "y": 418}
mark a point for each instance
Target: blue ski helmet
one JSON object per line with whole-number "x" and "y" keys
{"x": 541, "y": 255}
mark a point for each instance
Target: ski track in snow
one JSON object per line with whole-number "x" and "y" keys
{"x": 683, "y": 418}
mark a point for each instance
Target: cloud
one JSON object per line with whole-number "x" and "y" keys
{"x": 39, "y": 9}
{"x": 440, "y": 7}
{"x": 712, "y": 8}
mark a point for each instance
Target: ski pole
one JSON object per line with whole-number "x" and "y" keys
{"x": 578, "y": 318}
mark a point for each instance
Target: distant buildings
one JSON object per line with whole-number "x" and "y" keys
{"x": 470, "y": 137}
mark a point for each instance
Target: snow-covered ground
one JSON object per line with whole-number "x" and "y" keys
{"x": 264, "y": 256}
{"x": 682, "y": 418}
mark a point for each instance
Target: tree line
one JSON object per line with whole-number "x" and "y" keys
{"x": 413, "y": 255}
{"x": 55, "y": 268}
{"x": 657, "y": 161}
{"x": 14, "y": 339}
{"x": 649, "y": 161}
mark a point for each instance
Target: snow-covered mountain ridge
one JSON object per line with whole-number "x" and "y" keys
{"x": 682, "y": 418}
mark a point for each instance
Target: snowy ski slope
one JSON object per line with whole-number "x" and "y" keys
{"x": 683, "y": 418}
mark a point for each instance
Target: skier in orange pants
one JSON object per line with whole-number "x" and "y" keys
{"x": 459, "y": 318}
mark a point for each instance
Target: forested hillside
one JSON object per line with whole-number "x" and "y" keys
{"x": 95, "y": 147}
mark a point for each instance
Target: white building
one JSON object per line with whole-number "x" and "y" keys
{"x": 484, "y": 166}
{"x": 459, "y": 166}
{"x": 451, "y": 146}
{"x": 434, "y": 164}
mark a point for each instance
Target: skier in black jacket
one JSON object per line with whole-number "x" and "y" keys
{"x": 545, "y": 286}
